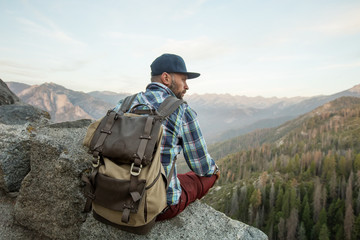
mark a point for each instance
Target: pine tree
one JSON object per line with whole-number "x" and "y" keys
{"x": 286, "y": 203}
{"x": 328, "y": 167}
{"x": 294, "y": 203}
{"x": 331, "y": 218}
{"x": 333, "y": 185}
{"x": 262, "y": 216}
{"x": 270, "y": 224}
{"x": 272, "y": 195}
{"x": 342, "y": 166}
{"x": 257, "y": 220}
{"x": 251, "y": 214}
{"x": 279, "y": 199}
{"x": 306, "y": 218}
{"x": 312, "y": 169}
{"x": 281, "y": 229}
{"x": 255, "y": 198}
{"x": 321, "y": 221}
{"x": 317, "y": 204}
{"x": 356, "y": 229}
{"x": 324, "y": 197}
{"x": 227, "y": 203}
{"x": 292, "y": 224}
{"x": 349, "y": 213}
{"x": 342, "y": 188}
{"x": 302, "y": 232}
{"x": 357, "y": 163}
{"x": 348, "y": 222}
{"x": 243, "y": 200}
{"x": 338, "y": 228}
{"x": 234, "y": 203}
{"x": 324, "y": 233}
{"x": 304, "y": 201}
{"x": 357, "y": 212}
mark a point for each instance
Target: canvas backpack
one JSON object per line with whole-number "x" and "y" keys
{"x": 127, "y": 187}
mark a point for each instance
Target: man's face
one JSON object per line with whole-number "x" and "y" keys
{"x": 178, "y": 84}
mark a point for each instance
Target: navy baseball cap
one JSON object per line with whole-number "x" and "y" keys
{"x": 170, "y": 63}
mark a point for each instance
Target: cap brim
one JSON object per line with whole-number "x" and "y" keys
{"x": 191, "y": 75}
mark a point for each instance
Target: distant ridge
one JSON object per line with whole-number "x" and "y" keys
{"x": 221, "y": 116}
{"x": 62, "y": 104}
{"x": 281, "y": 112}
{"x": 271, "y": 135}
{"x": 17, "y": 87}
{"x": 238, "y": 101}
{"x": 109, "y": 97}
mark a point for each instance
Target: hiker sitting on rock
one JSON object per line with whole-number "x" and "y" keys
{"x": 181, "y": 132}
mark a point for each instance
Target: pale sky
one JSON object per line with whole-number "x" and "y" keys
{"x": 245, "y": 47}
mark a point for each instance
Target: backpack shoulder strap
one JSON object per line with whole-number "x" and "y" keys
{"x": 126, "y": 104}
{"x": 169, "y": 105}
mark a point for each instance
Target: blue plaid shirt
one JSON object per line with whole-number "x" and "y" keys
{"x": 181, "y": 132}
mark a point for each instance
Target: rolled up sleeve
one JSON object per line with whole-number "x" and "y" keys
{"x": 194, "y": 145}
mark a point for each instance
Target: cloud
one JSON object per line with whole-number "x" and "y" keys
{"x": 17, "y": 65}
{"x": 45, "y": 26}
{"x": 35, "y": 70}
{"x": 314, "y": 28}
{"x": 70, "y": 66}
{"x": 130, "y": 36}
{"x": 17, "y": 69}
{"x": 49, "y": 29}
{"x": 280, "y": 58}
{"x": 341, "y": 66}
{"x": 21, "y": 73}
{"x": 192, "y": 8}
{"x": 199, "y": 48}
{"x": 70, "y": 63}
{"x": 343, "y": 23}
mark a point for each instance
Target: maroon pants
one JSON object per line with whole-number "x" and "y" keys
{"x": 193, "y": 187}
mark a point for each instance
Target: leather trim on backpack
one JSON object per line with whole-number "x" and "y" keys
{"x": 121, "y": 144}
{"x": 114, "y": 193}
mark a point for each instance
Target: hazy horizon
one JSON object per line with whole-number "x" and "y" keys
{"x": 189, "y": 94}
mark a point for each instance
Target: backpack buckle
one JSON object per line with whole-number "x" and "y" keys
{"x": 95, "y": 163}
{"x": 137, "y": 170}
{"x": 105, "y": 131}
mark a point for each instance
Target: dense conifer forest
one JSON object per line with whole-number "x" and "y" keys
{"x": 298, "y": 181}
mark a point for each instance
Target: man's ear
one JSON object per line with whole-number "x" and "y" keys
{"x": 166, "y": 79}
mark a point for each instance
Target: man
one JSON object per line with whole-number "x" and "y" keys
{"x": 181, "y": 132}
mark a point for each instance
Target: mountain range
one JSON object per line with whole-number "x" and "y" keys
{"x": 221, "y": 116}
{"x": 62, "y": 104}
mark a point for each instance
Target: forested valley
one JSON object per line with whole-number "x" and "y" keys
{"x": 297, "y": 181}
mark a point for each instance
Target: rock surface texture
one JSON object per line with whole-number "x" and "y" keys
{"x": 198, "y": 221}
{"x": 41, "y": 165}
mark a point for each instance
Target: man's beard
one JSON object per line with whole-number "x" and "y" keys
{"x": 173, "y": 87}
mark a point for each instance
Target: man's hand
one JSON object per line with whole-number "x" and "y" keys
{"x": 217, "y": 172}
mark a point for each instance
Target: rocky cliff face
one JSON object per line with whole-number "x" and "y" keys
{"x": 40, "y": 190}
{"x": 6, "y": 96}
